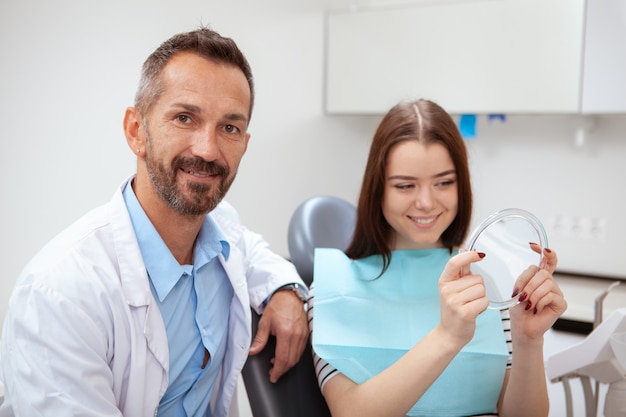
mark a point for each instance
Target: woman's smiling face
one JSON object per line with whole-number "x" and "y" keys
{"x": 421, "y": 198}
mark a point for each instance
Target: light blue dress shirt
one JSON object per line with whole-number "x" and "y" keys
{"x": 194, "y": 302}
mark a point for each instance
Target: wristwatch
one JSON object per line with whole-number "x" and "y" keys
{"x": 300, "y": 290}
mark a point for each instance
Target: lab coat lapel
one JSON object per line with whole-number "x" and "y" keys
{"x": 236, "y": 272}
{"x": 239, "y": 331}
{"x": 135, "y": 282}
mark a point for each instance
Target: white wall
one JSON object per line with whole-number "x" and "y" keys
{"x": 535, "y": 163}
{"x": 70, "y": 68}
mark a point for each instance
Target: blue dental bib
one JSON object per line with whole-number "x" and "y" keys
{"x": 364, "y": 323}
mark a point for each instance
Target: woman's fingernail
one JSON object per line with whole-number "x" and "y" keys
{"x": 523, "y": 296}
{"x": 515, "y": 292}
{"x": 481, "y": 255}
{"x": 529, "y": 304}
{"x": 531, "y": 243}
{"x": 535, "y": 310}
{"x": 547, "y": 250}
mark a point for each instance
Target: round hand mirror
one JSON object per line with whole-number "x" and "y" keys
{"x": 505, "y": 237}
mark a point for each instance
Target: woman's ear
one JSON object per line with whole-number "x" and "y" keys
{"x": 133, "y": 131}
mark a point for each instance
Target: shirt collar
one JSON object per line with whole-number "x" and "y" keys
{"x": 163, "y": 269}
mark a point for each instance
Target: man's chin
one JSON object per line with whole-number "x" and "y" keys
{"x": 202, "y": 198}
{"x": 199, "y": 206}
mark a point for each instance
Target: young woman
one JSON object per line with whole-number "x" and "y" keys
{"x": 403, "y": 273}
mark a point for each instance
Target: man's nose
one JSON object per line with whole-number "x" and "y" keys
{"x": 206, "y": 145}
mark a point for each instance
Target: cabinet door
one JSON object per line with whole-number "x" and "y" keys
{"x": 604, "y": 85}
{"x": 473, "y": 56}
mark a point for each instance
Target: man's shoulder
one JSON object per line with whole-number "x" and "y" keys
{"x": 87, "y": 239}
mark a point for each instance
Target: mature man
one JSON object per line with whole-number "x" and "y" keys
{"x": 141, "y": 307}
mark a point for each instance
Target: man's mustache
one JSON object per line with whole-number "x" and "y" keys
{"x": 200, "y": 165}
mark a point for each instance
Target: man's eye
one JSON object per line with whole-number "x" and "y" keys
{"x": 231, "y": 129}
{"x": 183, "y": 118}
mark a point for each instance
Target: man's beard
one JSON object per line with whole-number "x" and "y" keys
{"x": 194, "y": 199}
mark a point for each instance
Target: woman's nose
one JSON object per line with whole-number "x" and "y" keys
{"x": 424, "y": 199}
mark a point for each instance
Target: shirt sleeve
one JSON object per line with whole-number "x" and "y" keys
{"x": 54, "y": 357}
{"x": 323, "y": 369}
{"x": 506, "y": 326}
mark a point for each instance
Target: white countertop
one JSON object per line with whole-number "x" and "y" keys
{"x": 581, "y": 292}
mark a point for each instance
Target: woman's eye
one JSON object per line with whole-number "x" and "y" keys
{"x": 445, "y": 183}
{"x": 403, "y": 186}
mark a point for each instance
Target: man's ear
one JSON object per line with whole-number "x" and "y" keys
{"x": 247, "y": 141}
{"x": 133, "y": 128}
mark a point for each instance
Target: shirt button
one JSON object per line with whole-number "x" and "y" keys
{"x": 203, "y": 332}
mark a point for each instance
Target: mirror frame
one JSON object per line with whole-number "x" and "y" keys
{"x": 496, "y": 217}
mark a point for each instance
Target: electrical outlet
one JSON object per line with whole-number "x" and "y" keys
{"x": 598, "y": 229}
{"x": 559, "y": 227}
{"x": 577, "y": 227}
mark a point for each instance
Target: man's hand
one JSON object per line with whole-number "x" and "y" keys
{"x": 285, "y": 318}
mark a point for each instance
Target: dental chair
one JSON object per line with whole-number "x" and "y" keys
{"x": 320, "y": 221}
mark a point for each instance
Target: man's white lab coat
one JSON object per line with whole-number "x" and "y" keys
{"x": 83, "y": 335}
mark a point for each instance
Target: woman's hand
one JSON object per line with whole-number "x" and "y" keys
{"x": 541, "y": 299}
{"x": 462, "y": 297}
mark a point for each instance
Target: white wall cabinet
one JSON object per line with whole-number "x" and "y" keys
{"x": 604, "y": 74}
{"x": 477, "y": 56}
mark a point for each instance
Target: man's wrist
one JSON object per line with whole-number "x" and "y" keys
{"x": 301, "y": 291}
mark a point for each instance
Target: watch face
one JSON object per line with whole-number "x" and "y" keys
{"x": 299, "y": 290}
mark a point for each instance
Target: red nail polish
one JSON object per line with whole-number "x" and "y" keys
{"x": 481, "y": 255}
{"x": 535, "y": 310}
{"x": 547, "y": 250}
{"x": 529, "y": 304}
{"x": 515, "y": 292}
{"x": 523, "y": 296}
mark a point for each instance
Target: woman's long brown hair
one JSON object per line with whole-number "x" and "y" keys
{"x": 426, "y": 122}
